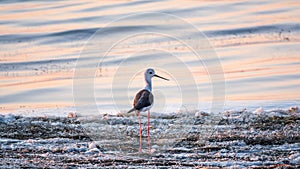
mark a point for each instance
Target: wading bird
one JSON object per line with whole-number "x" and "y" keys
{"x": 143, "y": 101}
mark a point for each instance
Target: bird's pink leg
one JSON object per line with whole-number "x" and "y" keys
{"x": 149, "y": 140}
{"x": 141, "y": 132}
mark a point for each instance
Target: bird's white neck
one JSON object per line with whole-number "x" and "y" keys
{"x": 148, "y": 84}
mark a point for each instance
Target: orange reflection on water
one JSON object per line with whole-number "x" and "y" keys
{"x": 260, "y": 58}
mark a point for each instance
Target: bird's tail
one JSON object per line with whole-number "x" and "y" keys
{"x": 131, "y": 110}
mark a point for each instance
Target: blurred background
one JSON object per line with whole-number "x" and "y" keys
{"x": 257, "y": 43}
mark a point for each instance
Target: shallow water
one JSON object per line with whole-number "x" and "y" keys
{"x": 257, "y": 44}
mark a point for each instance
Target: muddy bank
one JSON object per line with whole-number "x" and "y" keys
{"x": 19, "y": 127}
{"x": 237, "y": 139}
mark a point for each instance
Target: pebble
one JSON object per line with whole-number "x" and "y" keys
{"x": 259, "y": 111}
{"x": 93, "y": 151}
{"x": 93, "y": 145}
{"x": 72, "y": 115}
{"x": 200, "y": 114}
{"x": 295, "y": 158}
{"x": 294, "y": 110}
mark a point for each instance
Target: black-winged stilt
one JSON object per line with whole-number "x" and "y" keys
{"x": 143, "y": 101}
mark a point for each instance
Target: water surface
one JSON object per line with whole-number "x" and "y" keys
{"x": 257, "y": 43}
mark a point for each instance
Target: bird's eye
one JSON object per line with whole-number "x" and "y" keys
{"x": 150, "y": 73}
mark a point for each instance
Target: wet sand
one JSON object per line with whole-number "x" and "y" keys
{"x": 239, "y": 139}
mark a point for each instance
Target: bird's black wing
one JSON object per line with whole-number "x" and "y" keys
{"x": 143, "y": 98}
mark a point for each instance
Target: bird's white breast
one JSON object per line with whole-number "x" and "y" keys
{"x": 146, "y": 108}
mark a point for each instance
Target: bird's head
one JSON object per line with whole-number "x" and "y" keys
{"x": 151, "y": 73}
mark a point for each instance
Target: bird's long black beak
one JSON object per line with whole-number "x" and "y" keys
{"x": 161, "y": 77}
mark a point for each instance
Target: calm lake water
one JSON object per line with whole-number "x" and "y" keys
{"x": 254, "y": 48}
